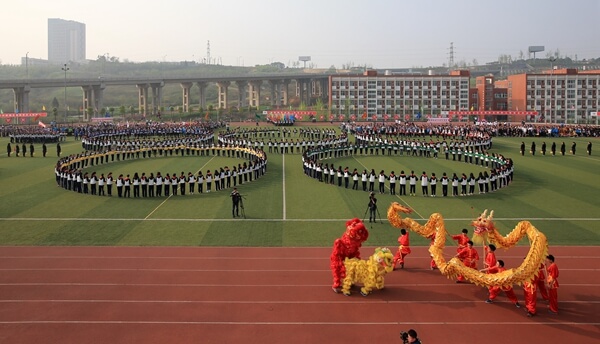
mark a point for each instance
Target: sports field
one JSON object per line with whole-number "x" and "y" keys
{"x": 558, "y": 194}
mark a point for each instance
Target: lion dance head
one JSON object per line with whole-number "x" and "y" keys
{"x": 355, "y": 231}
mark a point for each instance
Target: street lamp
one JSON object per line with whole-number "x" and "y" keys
{"x": 65, "y": 68}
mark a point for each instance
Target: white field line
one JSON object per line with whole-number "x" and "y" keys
{"x": 283, "y": 188}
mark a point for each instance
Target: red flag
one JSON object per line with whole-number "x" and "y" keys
{"x": 8, "y": 120}
{"x": 406, "y": 117}
{"x": 386, "y": 117}
{"x": 41, "y": 124}
{"x": 331, "y": 117}
{"x": 374, "y": 117}
{"x": 396, "y": 116}
{"x": 206, "y": 116}
{"x": 342, "y": 117}
{"x": 364, "y": 116}
{"x": 322, "y": 118}
{"x": 353, "y": 117}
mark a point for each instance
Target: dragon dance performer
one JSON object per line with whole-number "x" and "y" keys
{"x": 403, "y": 250}
{"x": 461, "y": 239}
{"x": 469, "y": 257}
{"x": 348, "y": 246}
{"x": 490, "y": 256}
{"x": 541, "y": 282}
{"x": 530, "y": 293}
{"x": 552, "y": 280}
{"x": 432, "y": 264}
{"x": 494, "y": 291}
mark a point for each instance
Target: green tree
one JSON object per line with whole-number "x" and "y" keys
{"x": 55, "y": 103}
{"x": 122, "y": 110}
{"x": 90, "y": 112}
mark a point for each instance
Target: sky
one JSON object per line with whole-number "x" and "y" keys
{"x": 376, "y": 33}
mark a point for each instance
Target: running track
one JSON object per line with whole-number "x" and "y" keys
{"x": 270, "y": 295}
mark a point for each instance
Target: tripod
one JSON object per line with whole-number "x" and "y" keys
{"x": 241, "y": 205}
{"x": 375, "y": 219}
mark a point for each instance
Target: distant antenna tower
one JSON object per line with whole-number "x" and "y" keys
{"x": 208, "y": 52}
{"x": 451, "y": 56}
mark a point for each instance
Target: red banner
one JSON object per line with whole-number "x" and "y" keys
{"x": 284, "y": 112}
{"x": 24, "y": 115}
{"x": 493, "y": 113}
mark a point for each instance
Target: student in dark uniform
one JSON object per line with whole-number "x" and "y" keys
{"x": 533, "y": 148}
{"x": 24, "y": 149}
{"x": 522, "y": 148}
{"x": 544, "y": 148}
{"x": 563, "y": 148}
{"x": 44, "y": 149}
{"x": 31, "y": 149}
{"x": 573, "y": 146}
{"x": 8, "y": 149}
{"x": 58, "y": 149}
{"x": 553, "y": 148}
{"x": 589, "y": 148}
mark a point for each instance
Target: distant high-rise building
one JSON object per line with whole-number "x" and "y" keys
{"x": 66, "y": 41}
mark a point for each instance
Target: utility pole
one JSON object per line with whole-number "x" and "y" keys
{"x": 65, "y": 68}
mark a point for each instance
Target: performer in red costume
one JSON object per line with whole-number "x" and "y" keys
{"x": 530, "y": 293}
{"x": 432, "y": 264}
{"x": 494, "y": 291}
{"x": 461, "y": 239}
{"x": 490, "y": 256}
{"x": 469, "y": 257}
{"x": 541, "y": 282}
{"x": 348, "y": 246}
{"x": 403, "y": 250}
{"x": 552, "y": 284}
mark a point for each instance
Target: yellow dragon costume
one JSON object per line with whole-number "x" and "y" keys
{"x": 484, "y": 231}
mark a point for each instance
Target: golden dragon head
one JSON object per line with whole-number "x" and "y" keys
{"x": 484, "y": 223}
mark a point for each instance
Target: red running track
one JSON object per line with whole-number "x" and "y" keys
{"x": 270, "y": 295}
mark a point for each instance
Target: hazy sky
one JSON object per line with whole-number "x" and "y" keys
{"x": 380, "y": 33}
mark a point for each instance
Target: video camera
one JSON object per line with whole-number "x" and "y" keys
{"x": 404, "y": 337}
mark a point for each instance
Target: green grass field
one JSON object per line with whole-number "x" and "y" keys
{"x": 559, "y": 195}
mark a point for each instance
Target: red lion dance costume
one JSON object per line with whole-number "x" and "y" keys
{"x": 348, "y": 246}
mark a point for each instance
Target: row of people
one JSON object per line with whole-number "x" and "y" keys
{"x": 156, "y": 186}
{"x": 486, "y": 182}
{"x": 563, "y": 148}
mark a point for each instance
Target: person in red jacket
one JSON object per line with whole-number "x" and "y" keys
{"x": 530, "y": 293}
{"x": 461, "y": 239}
{"x": 490, "y": 256}
{"x": 469, "y": 257}
{"x": 403, "y": 250}
{"x": 552, "y": 280}
{"x": 494, "y": 291}
{"x": 541, "y": 282}
{"x": 432, "y": 265}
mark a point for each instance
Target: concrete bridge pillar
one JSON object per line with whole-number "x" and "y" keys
{"x": 275, "y": 92}
{"x": 142, "y": 98}
{"x": 241, "y": 93}
{"x": 98, "y": 97}
{"x": 223, "y": 86}
{"x": 284, "y": 92}
{"x": 254, "y": 93}
{"x": 87, "y": 101}
{"x": 21, "y": 99}
{"x": 302, "y": 91}
{"x": 186, "y": 87}
{"x": 156, "y": 96}
{"x": 202, "y": 86}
